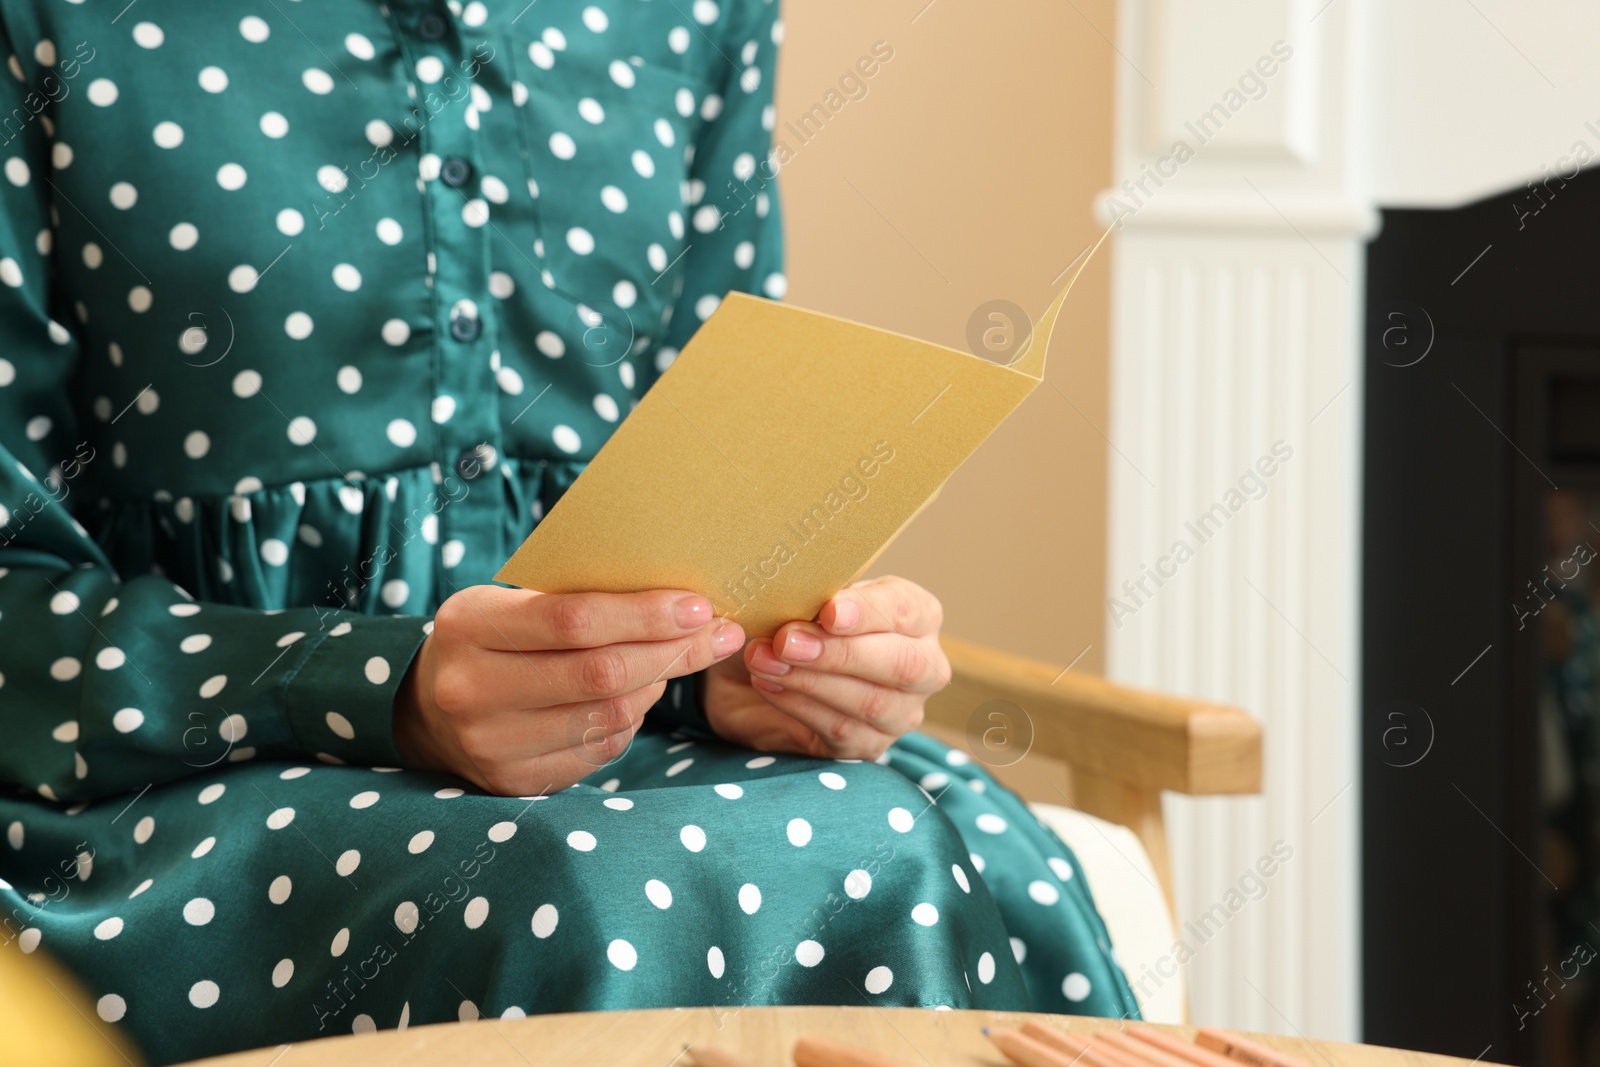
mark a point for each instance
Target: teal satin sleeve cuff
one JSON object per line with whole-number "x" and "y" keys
{"x": 341, "y": 700}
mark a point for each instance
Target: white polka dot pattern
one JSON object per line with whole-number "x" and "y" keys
{"x": 349, "y": 298}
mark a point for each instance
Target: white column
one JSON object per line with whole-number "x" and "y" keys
{"x": 1237, "y": 351}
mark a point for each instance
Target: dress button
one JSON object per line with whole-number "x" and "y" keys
{"x": 431, "y": 28}
{"x": 455, "y": 172}
{"x": 465, "y": 328}
{"x": 474, "y": 461}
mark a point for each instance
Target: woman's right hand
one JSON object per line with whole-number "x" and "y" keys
{"x": 525, "y": 693}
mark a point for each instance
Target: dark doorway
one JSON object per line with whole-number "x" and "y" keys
{"x": 1481, "y": 772}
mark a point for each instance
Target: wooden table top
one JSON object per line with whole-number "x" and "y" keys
{"x": 765, "y": 1036}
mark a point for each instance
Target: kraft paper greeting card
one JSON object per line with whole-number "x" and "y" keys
{"x": 774, "y": 461}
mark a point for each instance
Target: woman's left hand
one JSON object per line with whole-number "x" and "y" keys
{"x": 842, "y": 687}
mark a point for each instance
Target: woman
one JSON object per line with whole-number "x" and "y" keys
{"x": 307, "y": 315}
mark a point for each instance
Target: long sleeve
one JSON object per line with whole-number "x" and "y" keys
{"x": 108, "y": 685}
{"x": 736, "y": 228}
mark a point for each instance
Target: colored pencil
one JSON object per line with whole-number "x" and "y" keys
{"x": 1122, "y": 1055}
{"x": 1080, "y": 1051}
{"x": 814, "y": 1051}
{"x": 1194, "y": 1054}
{"x": 1025, "y": 1051}
{"x": 1237, "y": 1047}
{"x": 1147, "y": 1054}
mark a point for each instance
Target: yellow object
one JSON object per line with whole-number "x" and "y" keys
{"x": 47, "y": 1021}
{"x": 775, "y": 459}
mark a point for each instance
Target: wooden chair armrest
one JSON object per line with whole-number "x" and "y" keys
{"x": 1108, "y": 730}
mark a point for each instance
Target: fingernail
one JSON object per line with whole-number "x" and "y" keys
{"x": 692, "y": 612}
{"x": 764, "y": 661}
{"x": 765, "y": 686}
{"x": 801, "y": 647}
{"x": 728, "y": 638}
{"x": 846, "y": 613}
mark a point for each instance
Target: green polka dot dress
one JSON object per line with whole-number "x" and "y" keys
{"x": 308, "y": 312}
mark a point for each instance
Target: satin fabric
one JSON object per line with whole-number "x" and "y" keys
{"x": 307, "y": 314}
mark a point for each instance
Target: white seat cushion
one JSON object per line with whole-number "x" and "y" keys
{"x": 1128, "y": 895}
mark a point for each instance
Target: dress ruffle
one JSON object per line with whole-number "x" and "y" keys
{"x": 374, "y": 544}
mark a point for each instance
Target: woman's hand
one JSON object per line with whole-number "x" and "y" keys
{"x": 525, "y": 693}
{"x": 843, "y": 687}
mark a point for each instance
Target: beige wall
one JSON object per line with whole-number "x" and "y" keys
{"x": 982, "y": 142}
